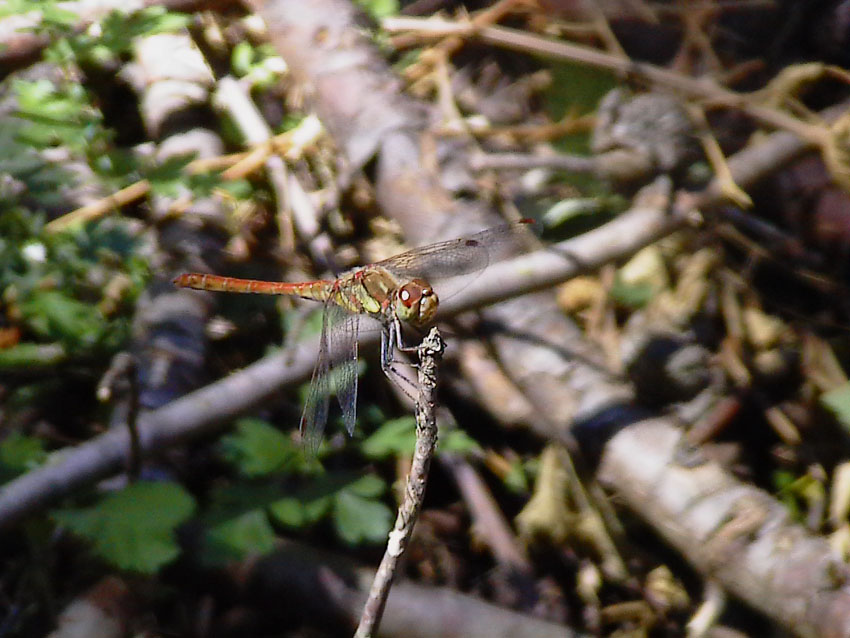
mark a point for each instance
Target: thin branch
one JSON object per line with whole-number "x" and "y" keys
{"x": 430, "y": 351}
{"x": 488, "y": 521}
{"x": 704, "y": 89}
{"x": 124, "y": 370}
{"x": 525, "y": 162}
{"x": 234, "y": 97}
{"x": 233, "y": 166}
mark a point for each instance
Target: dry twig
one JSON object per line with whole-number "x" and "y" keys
{"x": 430, "y": 351}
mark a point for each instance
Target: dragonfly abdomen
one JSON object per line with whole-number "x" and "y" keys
{"x": 318, "y": 290}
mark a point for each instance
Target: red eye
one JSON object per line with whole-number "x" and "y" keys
{"x": 410, "y": 294}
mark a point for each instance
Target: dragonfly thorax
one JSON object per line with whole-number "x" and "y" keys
{"x": 415, "y": 302}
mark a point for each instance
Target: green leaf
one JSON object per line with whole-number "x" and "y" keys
{"x": 133, "y": 529}
{"x": 575, "y": 88}
{"x": 837, "y": 401}
{"x": 231, "y": 501}
{"x": 516, "y": 479}
{"x": 247, "y": 535}
{"x": 359, "y": 519}
{"x": 368, "y": 486}
{"x": 57, "y": 16}
{"x": 312, "y": 502}
{"x": 379, "y": 8}
{"x": 119, "y": 30}
{"x": 459, "y": 442}
{"x": 242, "y": 58}
{"x": 53, "y": 315}
{"x": 236, "y": 188}
{"x": 32, "y": 355}
{"x": 632, "y": 295}
{"x": 297, "y": 512}
{"x": 306, "y": 505}
{"x": 397, "y": 436}
{"x": 56, "y": 115}
{"x": 169, "y": 176}
{"x": 568, "y": 209}
{"x": 13, "y": 7}
{"x": 19, "y": 454}
{"x": 258, "y": 449}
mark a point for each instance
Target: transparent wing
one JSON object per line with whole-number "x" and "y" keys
{"x": 335, "y": 373}
{"x": 459, "y": 256}
{"x": 315, "y": 414}
{"x": 343, "y": 344}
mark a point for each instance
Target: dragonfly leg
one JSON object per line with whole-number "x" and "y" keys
{"x": 389, "y": 340}
{"x": 396, "y": 331}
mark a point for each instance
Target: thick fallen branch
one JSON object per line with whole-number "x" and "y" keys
{"x": 736, "y": 534}
{"x": 300, "y": 581}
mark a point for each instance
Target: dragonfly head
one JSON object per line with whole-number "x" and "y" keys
{"x": 416, "y": 302}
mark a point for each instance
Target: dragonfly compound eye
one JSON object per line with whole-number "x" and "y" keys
{"x": 416, "y": 302}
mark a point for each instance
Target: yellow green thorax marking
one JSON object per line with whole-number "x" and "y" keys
{"x": 365, "y": 291}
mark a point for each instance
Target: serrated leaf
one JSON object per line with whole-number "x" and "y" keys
{"x": 258, "y": 449}
{"x": 247, "y": 535}
{"x": 133, "y": 529}
{"x": 359, "y": 519}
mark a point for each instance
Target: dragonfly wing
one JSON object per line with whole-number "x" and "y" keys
{"x": 459, "y": 256}
{"x": 343, "y": 336}
{"x": 315, "y": 414}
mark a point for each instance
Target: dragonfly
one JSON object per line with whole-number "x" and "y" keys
{"x": 393, "y": 291}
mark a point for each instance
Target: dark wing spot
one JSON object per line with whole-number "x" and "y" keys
{"x": 472, "y": 242}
